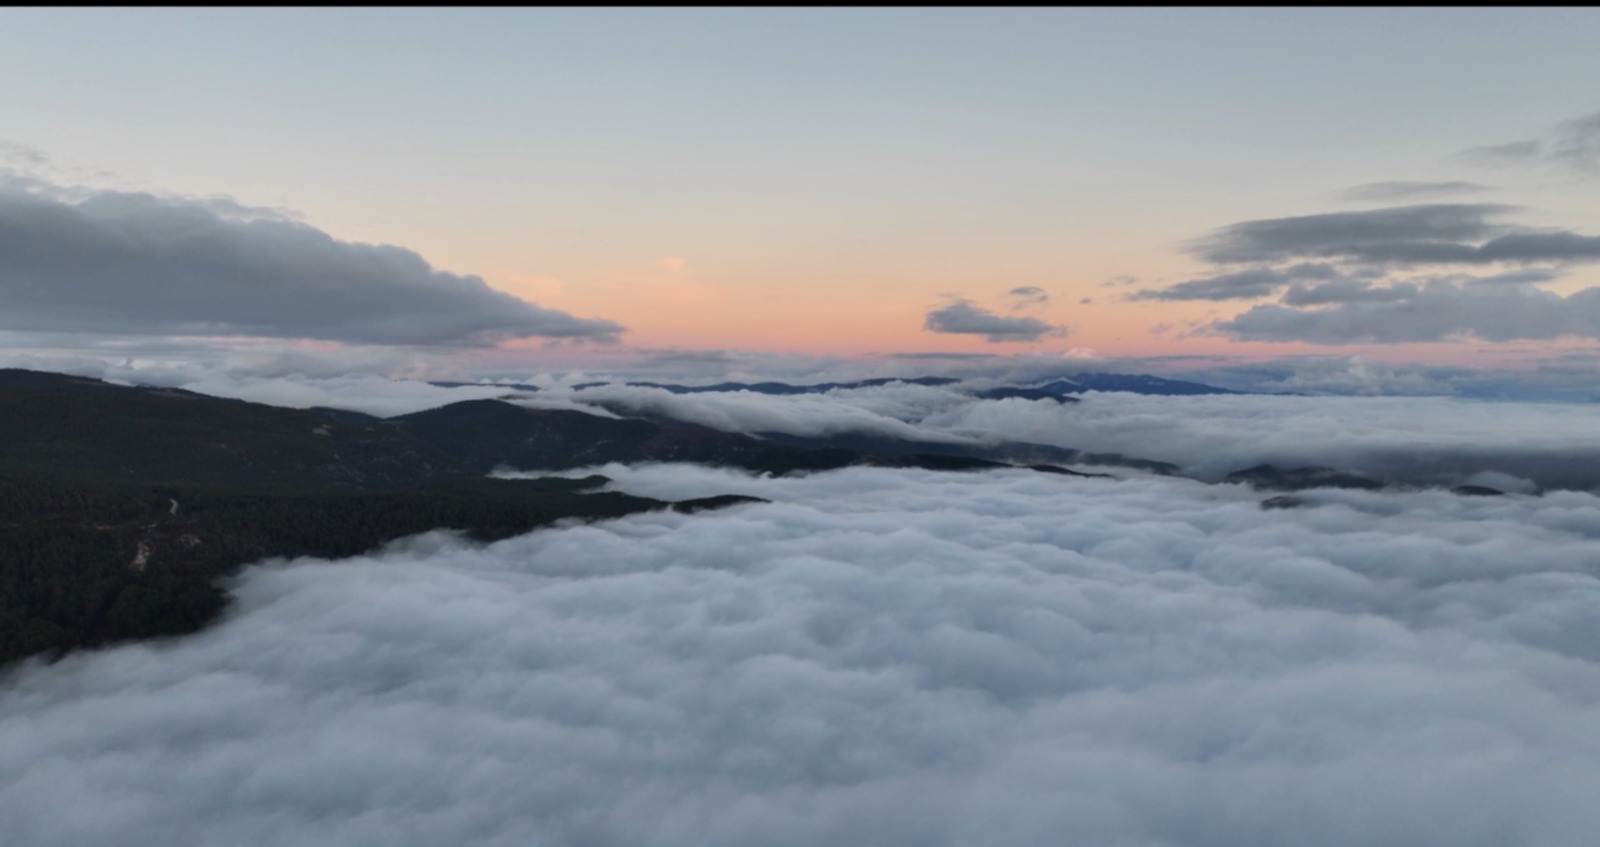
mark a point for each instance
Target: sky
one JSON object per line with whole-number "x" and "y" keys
{"x": 509, "y": 191}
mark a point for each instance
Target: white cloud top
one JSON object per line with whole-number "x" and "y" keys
{"x": 878, "y": 657}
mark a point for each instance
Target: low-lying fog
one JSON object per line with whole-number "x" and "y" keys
{"x": 876, "y": 657}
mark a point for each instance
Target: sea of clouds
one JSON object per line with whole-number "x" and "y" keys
{"x": 1427, "y": 438}
{"x": 885, "y": 657}
{"x": 1515, "y": 446}
{"x": 1432, "y": 440}
{"x": 1421, "y": 440}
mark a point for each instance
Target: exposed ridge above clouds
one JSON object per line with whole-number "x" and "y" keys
{"x": 138, "y": 264}
{"x": 883, "y": 410}
{"x": 1406, "y": 440}
{"x": 1424, "y": 439}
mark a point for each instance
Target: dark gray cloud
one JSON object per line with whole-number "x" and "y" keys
{"x": 138, "y": 264}
{"x": 1238, "y": 285}
{"x": 1539, "y": 247}
{"x": 1420, "y": 234}
{"x": 1411, "y": 189}
{"x": 1028, "y": 296}
{"x": 1441, "y": 232}
{"x": 1436, "y": 311}
{"x": 964, "y": 317}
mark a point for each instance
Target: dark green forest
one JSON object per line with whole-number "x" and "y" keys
{"x": 88, "y": 564}
{"x": 122, "y": 506}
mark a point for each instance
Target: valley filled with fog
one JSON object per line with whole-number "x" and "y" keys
{"x": 1428, "y": 440}
{"x": 891, "y": 655}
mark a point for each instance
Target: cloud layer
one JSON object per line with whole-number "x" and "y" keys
{"x": 138, "y": 264}
{"x": 1432, "y": 440}
{"x": 1436, "y": 311}
{"x": 1374, "y": 276}
{"x": 1411, "y": 189}
{"x": 1248, "y": 284}
{"x": 878, "y": 657}
{"x": 1434, "y": 233}
{"x": 1391, "y": 275}
{"x": 1418, "y": 440}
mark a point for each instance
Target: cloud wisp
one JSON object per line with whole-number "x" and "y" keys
{"x": 1249, "y": 284}
{"x": 883, "y": 657}
{"x": 1027, "y": 297}
{"x": 1504, "y": 155}
{"x": 1572, "y": 148}
{"x": 1391, "y": 191}
{"x": 125, "y": 263}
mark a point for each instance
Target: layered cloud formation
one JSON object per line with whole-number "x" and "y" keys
{"x": 1395, "y": 274}
{"x": 137, "y": 264}
{"x": 877, "y": 657}
{"x": 1420, "y": 440}
{"x": 1432, "y": 440}
{"x": 1411, "y": 189}
{"x": 1372, "y": 276}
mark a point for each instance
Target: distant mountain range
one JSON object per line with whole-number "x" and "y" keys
{"x": 121, "y": 506}
{"x": 1059, "y": 389}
